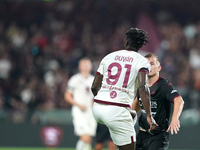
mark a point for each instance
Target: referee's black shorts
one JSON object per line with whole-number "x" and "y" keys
{"x": 146, "y": 141}
{"x": 102, "y": 133}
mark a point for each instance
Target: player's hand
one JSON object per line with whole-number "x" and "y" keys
{"x": 174, "y": 126}
{"x": 82, "y": 107}
{"x": 152, "y": 123}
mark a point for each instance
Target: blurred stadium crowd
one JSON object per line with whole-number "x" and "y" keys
{"x": 42, "y": 42}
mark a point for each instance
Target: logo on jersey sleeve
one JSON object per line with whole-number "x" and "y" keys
{"x": 113, "y": 94}
{"x": 169, "y": 84}
{"x": 173, "y": 91}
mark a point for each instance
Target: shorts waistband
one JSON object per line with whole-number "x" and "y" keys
{"x": 112, "y": 103}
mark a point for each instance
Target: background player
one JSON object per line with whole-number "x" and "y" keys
{"x": 115, "y": 85}
{"x": 162, "y": 95}
{"x": 80, "y": 96}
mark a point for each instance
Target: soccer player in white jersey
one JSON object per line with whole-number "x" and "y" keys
{"x": 114, "y": 87}
{"x": 79, "y": 95}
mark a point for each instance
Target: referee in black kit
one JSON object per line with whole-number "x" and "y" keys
{"x": 163, "y": 94}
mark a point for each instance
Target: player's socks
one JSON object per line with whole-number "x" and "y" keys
{"x": 80, "y": 145}
{"x": 83, "y": 146}
{"x": 87, "y": 147}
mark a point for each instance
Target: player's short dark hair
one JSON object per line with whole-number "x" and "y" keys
{"x": 152, "y": 55}
{"x": 136, "y": 38}
{"x": 84, "y": 58}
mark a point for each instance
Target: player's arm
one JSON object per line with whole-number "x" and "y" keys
{"x": 178, "y": 107}
{"x": 145, "y": 97}
{"x": 96, "y": 83}
{"x": 68, "y": 96}
{"x": 136, "y": 105}
{"x": 135, "y": 108}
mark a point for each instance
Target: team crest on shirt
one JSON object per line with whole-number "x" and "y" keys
{"x": 113, "y": 94}
{"x": 88, "y": 89}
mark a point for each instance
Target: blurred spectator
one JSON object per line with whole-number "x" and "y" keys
{"x": 194, "y": 54}
{"x": 52, "y": 76}
{"x": 40, "y": 48}
{"x": 5, "y": 65}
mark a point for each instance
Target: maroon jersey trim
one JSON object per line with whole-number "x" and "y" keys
{"x": 144, "y": 70}
{"x": 97, "y": 73}
{"x": 175, "y": 97}
{"x": 157, "y": 81}
{"x": 111, "y": 103}
{"x": 132, "y": 139}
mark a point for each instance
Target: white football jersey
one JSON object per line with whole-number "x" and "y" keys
{"x": 81, "y": 89}
{"x": 83, "y": 121}
{"x": 120, "y": 71}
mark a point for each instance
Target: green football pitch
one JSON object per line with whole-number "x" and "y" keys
{"x": 42, "y": 148}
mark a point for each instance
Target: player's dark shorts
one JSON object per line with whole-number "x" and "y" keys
{"x": 146, "y": 141}
{"x": 102, "y": 134}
